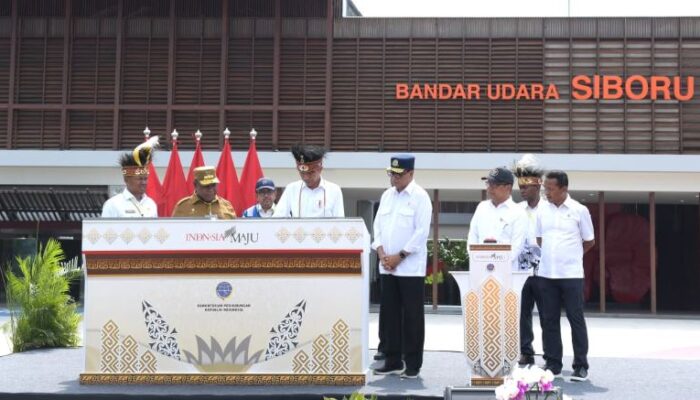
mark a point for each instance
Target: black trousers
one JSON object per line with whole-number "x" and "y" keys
{"x": 403, "y": 319}
{"x": 569, "y": 293}
{"x": 529, "y": 296}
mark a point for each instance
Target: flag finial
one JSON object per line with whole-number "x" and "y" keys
{"x": 253, "y": 133}
{"x": 227, "y": 133}
{"x": 146, "y": 132}
{"x": 174, "y": 134}
{"x": 198, "y": 135}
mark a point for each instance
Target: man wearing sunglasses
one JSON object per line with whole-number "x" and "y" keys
{"x": 400, "y": 236}
{"x": 499, "y": 219}
{"x": 311, "y": 196}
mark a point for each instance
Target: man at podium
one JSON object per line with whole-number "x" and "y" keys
{"x": 499, "y": 219}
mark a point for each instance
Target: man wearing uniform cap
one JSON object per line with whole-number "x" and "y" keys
{"x": 266, "y": 194}
{"x": 204, "y": 202}
{"x": 133, "y": 202}
{"x": 498, "y": 219}
{"x": 529, "y": 173}
{"x": 401, "y": 230}
{"x": 311, "y": 196}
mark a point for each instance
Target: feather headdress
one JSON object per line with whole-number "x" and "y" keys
{"x": 136, "y": 162}
{"x": 528, "y": 170}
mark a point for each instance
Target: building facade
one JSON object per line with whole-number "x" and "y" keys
{"x": 613, "y": 101}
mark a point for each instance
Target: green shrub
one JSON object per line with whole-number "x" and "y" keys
{"x": 42, "y": 313}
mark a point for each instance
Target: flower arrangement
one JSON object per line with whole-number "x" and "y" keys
{"x": 529, "y": 383}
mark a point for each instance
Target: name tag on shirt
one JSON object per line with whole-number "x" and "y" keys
{"x": 130, "y": 211}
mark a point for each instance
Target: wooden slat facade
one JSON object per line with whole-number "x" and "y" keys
{"x": 118, "y": 58}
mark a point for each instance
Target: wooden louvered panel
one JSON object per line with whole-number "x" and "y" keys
{"x": 476, "y": 112}
{"x": 449, "y": 112}
{"x": 240, "y": 71}
{"x": 187, "y": 123}
{"x": 252, "y": 8}
{"x": 396, "y": 114}
{"x": 503, "y": 116}
{"x": 666, "y": 121}
{"x": 530, "y": 112}
{"x": 556, "y": 112}
{"x": 197, "y": 64}
{"x": 40, "y": 66}
{"x": 303, "y": 8}
{"x": 690, "y": 55}
{"x": 304, "y": 127}
{"x": 241, "y": 122}
{"x": 315, "y": 62}
{"x": 37, "y": 130}
{"x": 4, "y": 70}
{"x": 89, "y": 129}
{"x": 92, "y": 70}
{"x": 422, "y": 134}
{"x": 344, "y": 134}
{"x": 290, "y": 129}
{"x": 3, "y": 129}
{"x": 584, "y": 133}
{"x": 145, "y": 71}
{"x": 133, "y": 122}
{"x": 293, "y": 73}
{"x": 262, "y": 71}
{"x": 371, "y": 95}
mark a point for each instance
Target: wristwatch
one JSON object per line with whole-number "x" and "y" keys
{"x": 403, "y": 254}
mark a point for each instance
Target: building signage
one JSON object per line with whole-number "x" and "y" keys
{"x": 583, "y": 87}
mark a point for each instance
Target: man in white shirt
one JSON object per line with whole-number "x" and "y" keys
{"x": 498, "y": 219}
{"x": 529, "y": 173}
{"x": 133, "y": 202}
{"x": 312, "y": 196}
{"x": 266, "y": 193}
{"x": 565, "y": 233}
{"x": 401, "y": 230}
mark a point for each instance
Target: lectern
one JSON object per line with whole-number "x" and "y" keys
{"x": 490, "y": 299}
{"x": 252, "y": 302}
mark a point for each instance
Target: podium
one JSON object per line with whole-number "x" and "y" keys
{"x": 490, "y": 300}
{"x": 240, "y": 302}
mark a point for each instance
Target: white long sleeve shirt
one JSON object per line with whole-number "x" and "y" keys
{"x": 403, "y": 223}
{"x": 125, "y": 205}
{"x": 299, "y": 201}
{"x": 563, "y": 230}
{"x": 506, "y": 223}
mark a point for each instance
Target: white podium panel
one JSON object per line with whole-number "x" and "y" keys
{"x": 490, "y": 298}
{"x": 254, "y": 302}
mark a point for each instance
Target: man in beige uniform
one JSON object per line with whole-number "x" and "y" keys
{"x": 204, "y": 202}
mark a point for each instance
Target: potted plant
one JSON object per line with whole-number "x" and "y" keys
{"x": 452, "y": 256}
{"x": 42, "y": 313}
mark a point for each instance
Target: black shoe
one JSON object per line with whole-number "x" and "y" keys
{"x": 580, "y": 374}
{"x": 555, "y": 371}
{"x": 410, "y": 373}
{"x": 526, "y": 359}
{"x": 379, "y": 356}
{"x": 396, "y": 369}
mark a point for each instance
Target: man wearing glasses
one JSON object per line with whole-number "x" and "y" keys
{"x": 266, "y": 195}
{"x": 499, "y": 219}
{"x": 400, "y": 236}
{"x": 312, "y": 196}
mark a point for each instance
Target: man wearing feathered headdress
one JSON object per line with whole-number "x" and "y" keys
{"x": 528, "y": 172}
{"x": 311, "y": 196}
{"x": 133, "y": 202}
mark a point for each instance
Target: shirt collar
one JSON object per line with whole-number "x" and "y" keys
{"x": 128, "y": 196}
{"x": 260, "y": 209}
{"x": 569, "y": 202}
{"x": 408, "y": 189}
{"x": 198, "y": 200}
{"x": 509, "y": 203}
{"x": 321, "y": 184}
